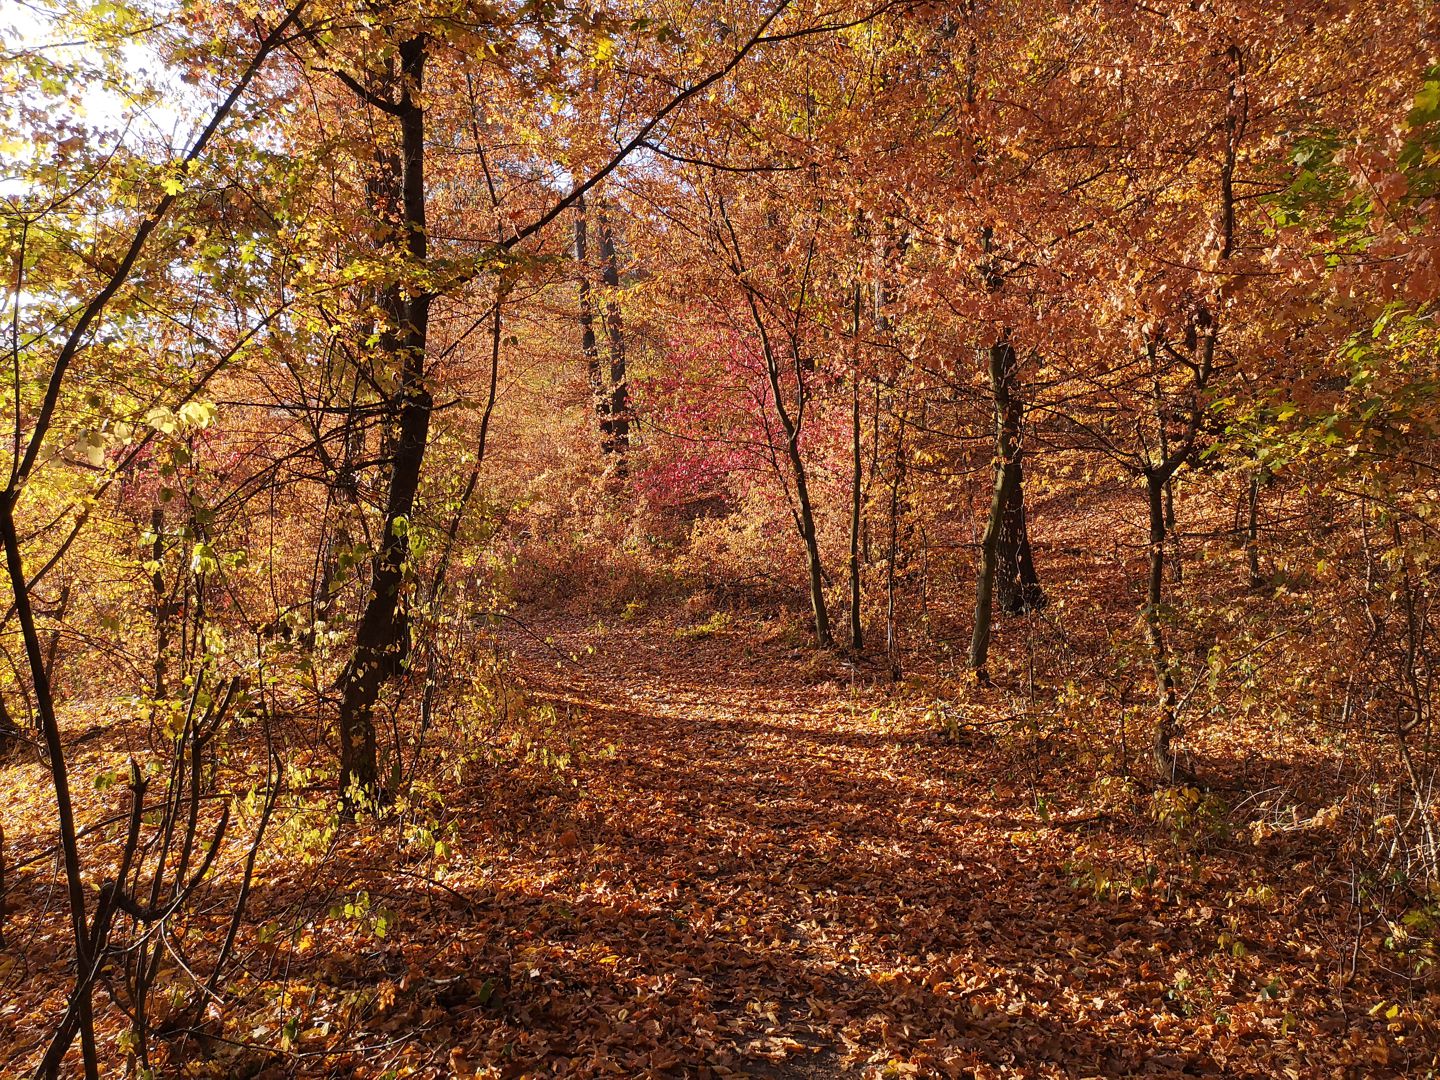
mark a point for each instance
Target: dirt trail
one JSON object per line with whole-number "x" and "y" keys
{"x": 749, "y": 862}
{"x": 788, "y": 879}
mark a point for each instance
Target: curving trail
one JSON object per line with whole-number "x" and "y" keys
{"x": 773, "y": 873}
{"x": 729, "y": 856}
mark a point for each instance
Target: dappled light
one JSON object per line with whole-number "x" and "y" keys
{"x": 763, "y": 538}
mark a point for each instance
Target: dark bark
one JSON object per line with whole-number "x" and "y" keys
{"x": 897, "y": 480}
{"x": 1006, "y": 564}
{"x": 59, "y": 773}
{"x": 805, "y": 520}
{"x": 617, "y": 390}
{"x": 792, "y": 425}
{"x": 1017, "y": 581}
{"x": 589, "y": 347}
{"x": 803, "y": 512}
{"x": 382, "y": 632}
{"x": 985, "y": 579}
{"x": 607, "y": 374}
{"x": 1201, "y": 336}
{"x": 857, "y": 641}
{"x": 1166, "y": 727}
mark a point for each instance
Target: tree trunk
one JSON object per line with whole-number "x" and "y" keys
{"x": 985, "y": 580}
{"x": 792, "y": 426}
{"x": 803, "y": 513}
{"x": 1252, "y": 529}
{"x": 80, "y": 1006}
{"x": 382, "y": 631}
{"x": 1203, "y": 332}
{"x": 608, "y": 378}
{"x": 1018, "y": 583}
{"x": 806, "y": 522}
{"x": 1031, "y": 595}
{"x": 589, "y": 348}
{"x": 856, "y": 630}
{"x": 1006, "y": 563}
{"x": 1166, "y": 728}
{"x": 617, "y": 405}
{"x": 897, "y": 478}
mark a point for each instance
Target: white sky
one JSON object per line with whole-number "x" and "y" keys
{"x": 107, "y": 111}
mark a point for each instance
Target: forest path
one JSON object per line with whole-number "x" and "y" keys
{"x": 729, "y": 855}
{"x": 765, "y": 871}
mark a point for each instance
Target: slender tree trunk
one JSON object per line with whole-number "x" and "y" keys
{"x": 589, "y": 347}
{"x": 1032, "y": 597}
{"x": 1007, "y": 559}
{"x": 1004, "y": 539}
{"x": 607, "y": 375}
{"x": 1252, "y": 528}
{"x": 1166, "y": 728}
{"x": 791, "y": 425}
{"x": 60, "y": 777}
{"x": 381, "y": 634}
{"x": 1158, "y": 478}
{"x": 806, "y": 522}
{"x": 985, "y": 580}
{"x": 804, "y": 513}
{"x": 856, "y": 630}
{"x": 617, "y": 406}
{"x": 1017, "y": 582}
{"x": 897, "y": 478}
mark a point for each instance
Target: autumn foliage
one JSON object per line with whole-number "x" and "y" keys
{"x": 803, "y": 538}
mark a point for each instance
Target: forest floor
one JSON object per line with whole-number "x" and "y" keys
{"x": 751, "y": 859}
{"x": 769, "y": 867}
